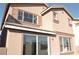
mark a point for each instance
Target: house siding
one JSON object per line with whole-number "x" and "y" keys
{"x": 14, "y": 42}
{"x": 47, "y": 22}
{"x": 63, "y": 25}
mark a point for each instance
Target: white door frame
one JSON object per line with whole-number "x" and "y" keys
{"x": 48, "y": 45}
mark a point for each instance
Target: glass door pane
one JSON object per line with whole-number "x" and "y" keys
{"x": 29, "y": 45}
{"x": 42, "y": 45}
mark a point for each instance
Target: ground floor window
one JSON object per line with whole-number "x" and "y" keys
{"x": 65, "y": 44}
{"x": 35, "y": 44}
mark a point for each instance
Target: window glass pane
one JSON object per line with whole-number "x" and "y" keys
{"x": 27, "y": 17}
{"x": 30, "y": 16}
{"x": 61, "y": 45}
{"x": 35, "y": 19}
{"x": 29, "y": 45}
{"x": 33, "y": 45}
{"x": 20, "y": 13}
{"x": 42, "y": 45}
{"x": 66, "y": 44}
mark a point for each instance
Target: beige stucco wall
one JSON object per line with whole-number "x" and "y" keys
{"x": 76, "y": 51}
{"x": 63, "y": 25}
{"x": 30, "y": 8}
{"x": 47, "y": 22}
{"x": 54, "y": 46}
{"x": 14, "y": 42}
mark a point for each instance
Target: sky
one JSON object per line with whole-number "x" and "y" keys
{"x": 2, "y": 7}
{"x": 73, "y": 8}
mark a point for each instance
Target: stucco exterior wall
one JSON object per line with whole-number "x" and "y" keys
{"x": 30, "y": 8}
{"x": 54, "y": 46}
{"x": 47, "y": 22}
{"x": 76, "y": 51}
{"x": 63, "y": 25}
{"x": 14, "y": 42}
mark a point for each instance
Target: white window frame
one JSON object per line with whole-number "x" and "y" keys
{"x": 37, "y": 42}
{"x": 28, "y": 13}
{"x": 48, "y": 46}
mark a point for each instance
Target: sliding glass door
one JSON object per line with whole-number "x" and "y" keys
{"x": 35, "y": 44}
{"x": 29, "y": 45}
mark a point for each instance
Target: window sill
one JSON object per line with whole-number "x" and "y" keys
{"x": 67, "y": 53}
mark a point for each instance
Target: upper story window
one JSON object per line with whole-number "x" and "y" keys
{"x": 25, "y": 16}
{"x": 55, "y": 14}
{"x": 65, "y": 44}
{"x": 69, "y": 22}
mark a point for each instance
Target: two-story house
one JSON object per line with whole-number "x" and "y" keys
{"x": 37, "y": 29}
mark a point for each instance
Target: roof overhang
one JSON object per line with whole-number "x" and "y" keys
{"x": 30, "y": 29}
{"x": 76, "y": 19}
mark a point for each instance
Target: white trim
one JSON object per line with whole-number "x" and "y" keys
{"x": 22, "y": 16}
{"x": 29, "y": 29}
{"x": 48, "y": 45}
{"x": 37, "y": 20}
{"x": 36, "y": 44}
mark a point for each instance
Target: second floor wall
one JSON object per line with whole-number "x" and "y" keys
{"x": 57, "y": 20}
{"x": 54, "y": 20}
{"x": 33, "y": 10}
{"x": 63, "y": 22}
